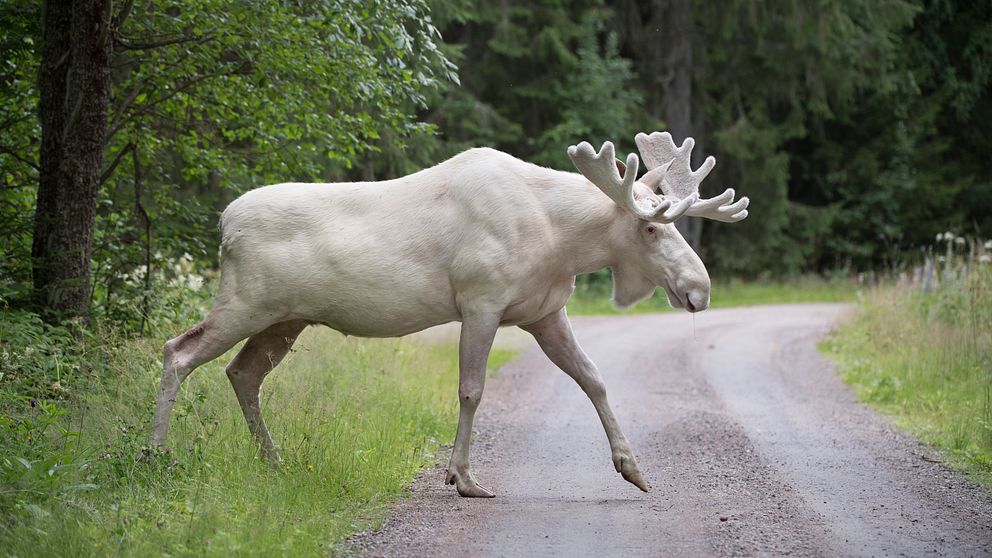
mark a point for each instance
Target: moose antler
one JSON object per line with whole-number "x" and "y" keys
{"x": 681, "y": 182}
{"x": 617, "y": 181}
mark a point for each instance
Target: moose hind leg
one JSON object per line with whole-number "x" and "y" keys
{"x": 181, "y": 355}
{"x": 248, "y": 370}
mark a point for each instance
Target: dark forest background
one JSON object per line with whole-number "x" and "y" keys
{"x": 857, "y": 127}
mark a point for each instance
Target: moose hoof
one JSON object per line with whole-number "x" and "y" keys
{"x": 272, "y": 457}
{"x": 467, "y": 487}
{"x": 634, "y": 477}
{"x": 627, "y": 468}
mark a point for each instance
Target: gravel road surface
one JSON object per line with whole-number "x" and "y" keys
{"x": 750, "y": 442}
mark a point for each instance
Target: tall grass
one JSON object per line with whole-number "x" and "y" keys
{"x": 356, "y": 420}
{"x": 921, "y": 350}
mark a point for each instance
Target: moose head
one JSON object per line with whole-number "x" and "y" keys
{"x": 662, "y": 257}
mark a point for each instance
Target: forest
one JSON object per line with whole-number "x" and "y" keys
{"x": 856, "y": 127}
{"x": 851, "y": 123}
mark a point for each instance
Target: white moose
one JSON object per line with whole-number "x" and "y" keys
{"x": 483, "y": 238}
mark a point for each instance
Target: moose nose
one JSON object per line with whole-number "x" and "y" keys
{"x": 696, "y": 301}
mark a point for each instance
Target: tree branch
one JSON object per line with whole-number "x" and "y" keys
{"x": 106, "y": 23}
{"x": 118, "y": 119}
{"x": 140, "y": 212}
{"x": 126, "y": 104}
{"x": 127, "y": 44}
{"x": 181, "y": 88}
{"x": 123, "y": 14}
{"x": 14, "y": 154}
{"x": 117, "y": 160}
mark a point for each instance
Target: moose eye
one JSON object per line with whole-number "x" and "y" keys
{"x": 651, "y": 228}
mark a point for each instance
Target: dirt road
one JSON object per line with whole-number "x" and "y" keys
{"x": 750, "y": 442}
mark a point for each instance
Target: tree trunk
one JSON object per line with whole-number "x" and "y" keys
{"x": 74, "y": 86}
{"x": 659, "y": 36}
{"x": 676, "y": 89}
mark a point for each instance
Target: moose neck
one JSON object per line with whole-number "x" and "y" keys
{"x": 590, "y": 226}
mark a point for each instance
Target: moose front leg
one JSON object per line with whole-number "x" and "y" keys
{"x": 473, "y": 353}
{"x": 554, "y": 334}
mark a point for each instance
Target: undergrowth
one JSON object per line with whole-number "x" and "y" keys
{"x": 356, "y": 419}
{"x": 921, "y": 351}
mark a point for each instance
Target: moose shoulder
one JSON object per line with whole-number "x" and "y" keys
{"x": 483, "y": 238}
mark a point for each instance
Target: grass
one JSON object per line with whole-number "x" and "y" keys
{"x": 925, "y": 359}
{"x": 594, "y": 298}
{"x": 356, "y": 420}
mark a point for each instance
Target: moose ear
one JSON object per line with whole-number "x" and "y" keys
{"x": 621, "y": 168}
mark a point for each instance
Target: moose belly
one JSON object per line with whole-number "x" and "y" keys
{"x": 369, "y": 311}
{"x": 373, "y": 320}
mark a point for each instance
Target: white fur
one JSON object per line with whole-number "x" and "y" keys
{"x": 483, "y": 238}
{"x": 482, "y": 229}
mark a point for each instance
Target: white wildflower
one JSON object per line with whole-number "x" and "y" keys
{"x": 988, "y": 244}
{"x": 959, "y": 241}
{"x": 984, "y": 258}
{"x": 940, "y": 236}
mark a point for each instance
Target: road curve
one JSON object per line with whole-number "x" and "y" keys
{"x": 750, "y": 442}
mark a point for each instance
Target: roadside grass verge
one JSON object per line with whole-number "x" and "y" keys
{"x": 593, "y": 298}
{"x": 355, "y": 420}
{"x": 925, "y": 359}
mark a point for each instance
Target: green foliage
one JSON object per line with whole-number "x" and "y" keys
{"x": 211, "y": 99}
{"x": 778, "y": 79}
{"x": 273, "y": 91}
{"x": 535, "y": 78}
{"x": 838, "y": 119}
{"x": 38, "y": 360}
{"x": 356, "y": 420}
{"x": 20, "y": 135}
{"x": 908, "y": 139}
{"x": 921, "y": 352}
{"x": 252, "y": 94}
{"x": 848, "y": 123}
